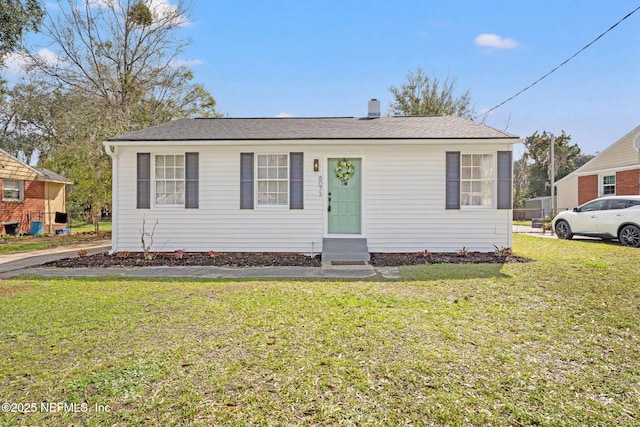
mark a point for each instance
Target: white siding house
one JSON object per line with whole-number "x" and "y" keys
{"x": 405, "y": 184}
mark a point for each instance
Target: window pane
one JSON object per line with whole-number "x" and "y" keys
{"x": 10, "y": 184}
{"x": 282, "y": 173}
{"x": 262, "y": 161}
{"x": 180, "y": 173}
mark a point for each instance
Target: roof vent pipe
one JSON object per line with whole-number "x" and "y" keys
{"x": 374, "y": 109}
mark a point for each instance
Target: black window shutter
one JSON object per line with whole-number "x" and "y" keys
{"x": 143, "y": 188}
{"x": 453, "y": 180}
{"x": 191, "y": 175}
{"x": 246, "y": 180}
{"x": 296, "y": 180}
{"x": 505, "y": 168}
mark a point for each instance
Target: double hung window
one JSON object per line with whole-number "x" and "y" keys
{"x": 12, "y": 190}
{"x": 477, "y": 180}
{"x": 273, "y": 180}
{"x": 609, "y": 185}
{"x": 169, "y": 180}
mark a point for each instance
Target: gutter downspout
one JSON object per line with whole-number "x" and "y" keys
{"x": 113, "y": 153}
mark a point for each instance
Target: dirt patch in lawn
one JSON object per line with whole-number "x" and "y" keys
{"x": 226, "y": 259}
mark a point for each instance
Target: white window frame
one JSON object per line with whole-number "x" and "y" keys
{"x": 603, "y": 185}
{"x": 264, "y": 177}
{"x": 20, "y": 185}
{"x": 169, "y": 178}
{"x": 490, "y": 181}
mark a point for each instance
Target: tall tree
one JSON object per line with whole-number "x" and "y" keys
{"x": 421, "y": 95}
{"x": 537, "y": 161}
{"x": 26, "y": 119}
{"x": 116, "y": 70}
{"x": 16, "y": 18}
{"x": 124, "y": 52}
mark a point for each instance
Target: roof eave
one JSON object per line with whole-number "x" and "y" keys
{"x": 114, "y": 142}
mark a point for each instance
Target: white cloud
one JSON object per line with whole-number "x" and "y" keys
{"x": 284, "y": 115}
{"x": 17, "y": 63}
{"x": 49, "y": 57}
{"x": 495, "y": 41}
{"x": 186, "y": 62}
{"x": 162, "y": 8}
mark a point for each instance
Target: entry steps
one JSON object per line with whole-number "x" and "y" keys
{"x": 345, "y": 251}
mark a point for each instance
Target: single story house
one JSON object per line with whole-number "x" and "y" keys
{"x": 29, "y": 194}
{"x": 392, "y": 184}
{"x": 615, "y": 171}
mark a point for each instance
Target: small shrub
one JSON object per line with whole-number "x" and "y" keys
{"x": 426, "y": 253}
{"x": 179, "y": 253}
{"x": 463, "y": 252}
{"x": 502, "y": 251}
{"x": 213, "y": 254}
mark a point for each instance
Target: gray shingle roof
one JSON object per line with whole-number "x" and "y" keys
{"x": 428, "y": 127}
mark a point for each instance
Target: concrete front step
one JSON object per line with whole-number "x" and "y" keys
{"x": 343, "y": 250}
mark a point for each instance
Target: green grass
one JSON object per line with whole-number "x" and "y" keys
{"x": 553, "y": 342}
{"x": 82, "y": 227}
{"x": 80, "y": 234}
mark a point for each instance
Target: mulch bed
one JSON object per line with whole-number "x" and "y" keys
{"x": 226, "y": 259}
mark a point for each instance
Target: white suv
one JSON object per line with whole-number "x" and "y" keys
{"x": 614, "y": 217}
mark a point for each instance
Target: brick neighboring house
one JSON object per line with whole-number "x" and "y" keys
{"x": 615, "y": 171}
{"x": 29, "y": 194}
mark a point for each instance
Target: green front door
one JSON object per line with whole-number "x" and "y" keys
{"x": 344, "y": 197}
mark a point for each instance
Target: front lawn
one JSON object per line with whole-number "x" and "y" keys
{"x": 552, "y": 342}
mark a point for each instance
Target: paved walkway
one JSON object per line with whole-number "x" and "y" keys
{"x": 25, "y": 260}
{"x": 30, "y": 263}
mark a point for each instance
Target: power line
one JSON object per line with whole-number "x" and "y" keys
{"x": 563, "y": 63}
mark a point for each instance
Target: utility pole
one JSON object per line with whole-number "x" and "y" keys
{"x": 553, "y": 174}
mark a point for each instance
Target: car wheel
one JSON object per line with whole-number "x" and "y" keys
{"x": 630, "y": 236}
{"x": 563, "y": 230}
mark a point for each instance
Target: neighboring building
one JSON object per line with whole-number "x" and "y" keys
{"x": 538, "y": 207}
{"x": 29, "y": 194}
{"x": 400, "y": 184}
{"x": 615, "y": 171}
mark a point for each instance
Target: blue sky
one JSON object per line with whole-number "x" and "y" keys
{"x": 328, "y": 58}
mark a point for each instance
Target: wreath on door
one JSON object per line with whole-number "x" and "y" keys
{"x": 344, "y": 170}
